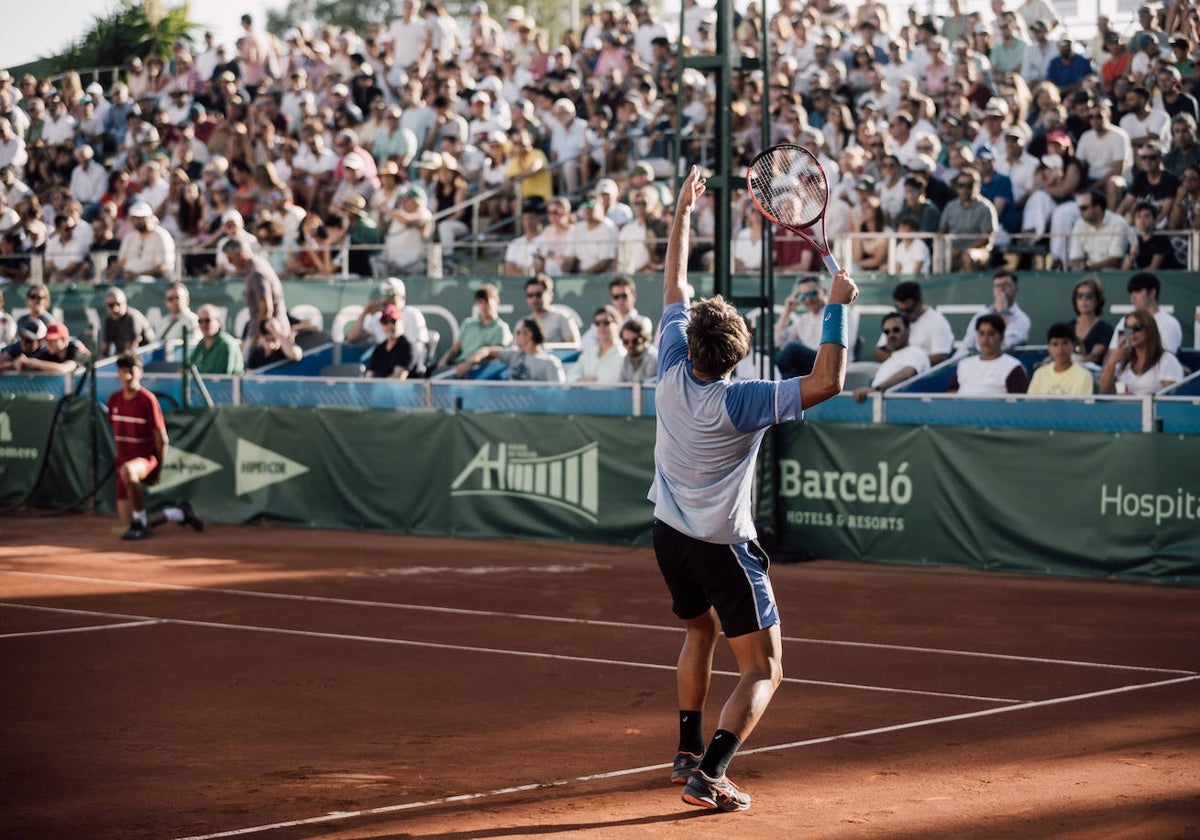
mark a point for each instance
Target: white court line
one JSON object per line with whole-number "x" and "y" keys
{"x": 529, "y": 654}
{"x": 93, "y": 628}
{"x": 591, "y": 622}
{"x": 337, "y": 816}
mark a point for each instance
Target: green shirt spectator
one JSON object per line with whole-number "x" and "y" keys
{"x": 218, "y": 352}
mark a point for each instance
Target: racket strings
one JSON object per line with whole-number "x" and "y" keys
{"x": 790, "y": 186}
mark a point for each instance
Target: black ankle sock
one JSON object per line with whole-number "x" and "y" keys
{"x": 691, "y": 735}
{"x": 719, "y": 753}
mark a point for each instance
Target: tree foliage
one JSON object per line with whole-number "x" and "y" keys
{"x": 134, "y": 29}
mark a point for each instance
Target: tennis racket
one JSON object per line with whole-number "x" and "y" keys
{"x": 788, "y": 186}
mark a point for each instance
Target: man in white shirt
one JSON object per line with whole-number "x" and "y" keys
{"x": 992, "y": 372}
{"x": 1143, "y": 291}
{"x": 927, "y": 328}
{"x": 148, "y": 253}
{"x": 1104, "y": 149}
{"x": 797, "y": 337}
{"x": 1143, "y": 123}
{"x": 594, "y": 248}
{"x": 60, "y": 125}
{"x": 66, "y": 252}
{"x": 1100, "y": 238}
{"x": 568, "y": 142}
{"x": 1004, "y": 304}
{"x": 903, "y": 361}
{"x": 407, "y": 37}
{"x": 89, "y": 180}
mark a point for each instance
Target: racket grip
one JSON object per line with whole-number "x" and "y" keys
{"x": 831, "y": 263}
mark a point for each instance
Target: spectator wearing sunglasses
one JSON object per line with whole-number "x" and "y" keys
{"x": 601, "y": 363}
{"x": 125, "y": 328}
{"x": 904, "y": 361}
{"x": 799, "y": 335}
{"x": 218, "y": 352}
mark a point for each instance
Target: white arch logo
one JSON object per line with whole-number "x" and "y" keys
{"x": 570, "y": 480}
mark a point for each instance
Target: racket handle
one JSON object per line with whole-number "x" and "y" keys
{"x": 831, "y": 263}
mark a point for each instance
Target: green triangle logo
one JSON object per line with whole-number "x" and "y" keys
{"x": 181, "y": 467}
{"x": 258, "y": 467}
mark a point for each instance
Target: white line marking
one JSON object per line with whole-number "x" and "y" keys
{"x": 93, "y": 628}
{"x": 336, "y": 816}
{"x": 590, "y": 622}
{"x": 591, "y": 660}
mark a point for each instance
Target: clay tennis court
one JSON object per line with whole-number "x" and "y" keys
{"x": 276, "y": 683}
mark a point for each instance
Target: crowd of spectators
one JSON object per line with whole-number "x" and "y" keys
{"x": 982, "y": 124}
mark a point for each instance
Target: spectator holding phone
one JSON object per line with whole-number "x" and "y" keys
{"x": 1139, "y": 364}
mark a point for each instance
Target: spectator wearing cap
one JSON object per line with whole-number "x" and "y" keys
{"x": 59, "y": 354}
{"x": 391, "y": 293}
{"x": 992, "y": 132}
{"x": 998, "y": 189}
{"x": 1068, "y": 69}
{"x": 26, "y": 345}
{"x": 568, "y": 143}
{"x": 233, "y": 227}
{"x": 1143, "y": 122}
{"x": 594, "y": 250}
{"x": 1017, "y": 163}
{"x": 352, "y": 181}
{"x": 409, "y": 229}
{"x": 1184, "y": 151}
{"x": 361, "y": 235}
{"x": 608, "y": 194}
{"x": 147, "y": 253}
{"x": 125, "y": 328}
{"x": 395, "y": 357}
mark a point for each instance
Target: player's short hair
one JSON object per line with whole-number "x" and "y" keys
{"x": 129, "y": 359}
{"x": 717, "y": 337}
{"x": 1061, "y": 330}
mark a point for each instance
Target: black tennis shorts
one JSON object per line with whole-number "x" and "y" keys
{"x": 730, "y": 578}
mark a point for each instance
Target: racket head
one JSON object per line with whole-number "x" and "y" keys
{"x": 788, "y": 186}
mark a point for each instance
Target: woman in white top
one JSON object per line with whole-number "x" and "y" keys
{"x": 747, "y": 245}
{"x": 1139, "y": 365}
{"x": 601, "y": 362}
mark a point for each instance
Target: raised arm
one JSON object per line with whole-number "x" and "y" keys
{"x": 678, "y": 245}
{"x": 828, "y": 375}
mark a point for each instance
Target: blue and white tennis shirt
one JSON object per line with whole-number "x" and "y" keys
{"x": 707, "y": 440}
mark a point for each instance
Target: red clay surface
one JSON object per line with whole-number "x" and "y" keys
{"x": 272, "y": 683}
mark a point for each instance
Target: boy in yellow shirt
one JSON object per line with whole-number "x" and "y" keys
{"x": 1063, "y": 375}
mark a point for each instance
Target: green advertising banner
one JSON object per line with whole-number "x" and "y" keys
{"x": 1074, "y": 503}
{"x": 478, "y": 475}
{"x": 1078, "y": 503}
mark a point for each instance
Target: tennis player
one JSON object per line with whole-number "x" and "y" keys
{"x": 140, "y": 436}
{"x": 709, "y": 431}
